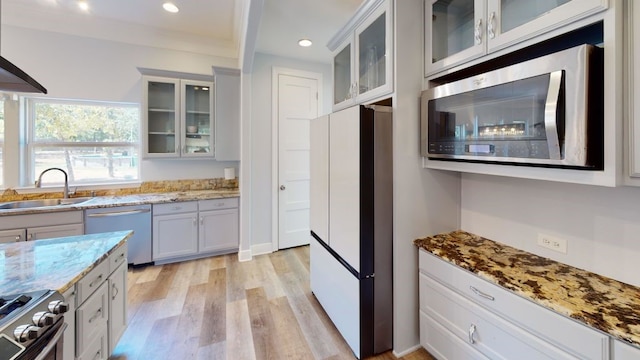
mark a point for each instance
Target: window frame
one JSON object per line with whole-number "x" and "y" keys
{"x": 30, "y": 144}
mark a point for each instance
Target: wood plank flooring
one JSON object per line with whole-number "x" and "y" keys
{"x": 219, "y": 308}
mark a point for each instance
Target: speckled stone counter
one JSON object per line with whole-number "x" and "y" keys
{"x": 124, "y": 200}
{"x": 600, "y": 302}
{"x": 54, "y": 264}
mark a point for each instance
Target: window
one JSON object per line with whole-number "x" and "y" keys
{"x": 94, "y": 142}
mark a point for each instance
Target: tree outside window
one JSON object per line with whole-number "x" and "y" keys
{"x": 95, "y": 142}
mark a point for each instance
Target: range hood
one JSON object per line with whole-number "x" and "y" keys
{"x": 14, "y": 79}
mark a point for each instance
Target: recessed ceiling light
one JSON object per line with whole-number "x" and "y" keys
{"x": 170, "y": 7}
{"x": 304, "y": 42}
{"x": 83, "y": 5}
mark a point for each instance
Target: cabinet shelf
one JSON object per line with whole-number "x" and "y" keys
{"x": 171, "y": 106}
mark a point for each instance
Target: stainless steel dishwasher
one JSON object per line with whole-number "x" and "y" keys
{"x": 136, "y": 218}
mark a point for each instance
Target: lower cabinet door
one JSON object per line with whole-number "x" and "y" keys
{"x": 622, "y": 351}
{"x": 96, "y": 349}
{"x": 175, "y": 235}
{"x": 481, "y": 329}
{"x": 91, "y": 319}
{"x": 117, "y": 305}
{"x": 218, "y": 230}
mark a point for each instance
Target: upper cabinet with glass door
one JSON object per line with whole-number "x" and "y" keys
{"x": 363, "y": 55}
{"x": 197, "y": 124}
{"x": 178, "y": 118}
{"x": 457, "y": 31}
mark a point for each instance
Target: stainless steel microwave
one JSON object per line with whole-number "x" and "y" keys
{"x": 547, "y": 111}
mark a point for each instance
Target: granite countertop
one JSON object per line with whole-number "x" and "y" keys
{"x": 125, "y": 200}
{"x": 54, "y": 264}
{"x": 597, "y": 301}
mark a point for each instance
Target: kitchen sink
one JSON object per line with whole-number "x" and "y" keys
{"x": 25, "y": 204}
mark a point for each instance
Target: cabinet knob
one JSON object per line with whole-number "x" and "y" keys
{"x": 18, "y": 238}
{"x": 282, "y": 187}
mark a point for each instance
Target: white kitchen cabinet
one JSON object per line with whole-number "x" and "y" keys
{"x": 363, "y": 55}
{"x": 117, "y": 305}
{"x": 633, "y": 91}
{"x": 319, "y": 174}
{"x": 97, "y": 315}
{"x": 14, "y": 235}
{"x": 40, "y": 226}
{"x": 175, "y": 230}
{"x": 227, "y": 114}
{"x": 622, "y": 351}
{"x": 178, "y": 117}
{"x": 188, "y": 230}
{"x": 462, "y": 30}
{"x": 47, "y": 232}
{"x": 218, "y": 225}
{"x": 458, "y": 307}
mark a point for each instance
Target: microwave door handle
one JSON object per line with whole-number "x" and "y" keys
{"x": 550, "y": 118}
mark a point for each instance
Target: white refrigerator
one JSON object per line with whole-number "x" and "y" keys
{"x": 352, "y": 224}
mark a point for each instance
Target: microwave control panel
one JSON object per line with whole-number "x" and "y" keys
{"x": 511, "y": 149}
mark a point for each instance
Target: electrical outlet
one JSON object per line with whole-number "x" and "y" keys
{"x": 553, "y": 243}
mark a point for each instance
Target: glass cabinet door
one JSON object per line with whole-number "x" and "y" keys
{"x": 197, "y": 107}
{"x": 509, "y": 21}
{"x": 161, "y": 112}
{"x": 454, "y": 32}
{"x": 371, "y": 55}
{"x": 342, "y": 75}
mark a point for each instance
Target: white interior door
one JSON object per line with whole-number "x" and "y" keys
{"x": 297, "y": 105}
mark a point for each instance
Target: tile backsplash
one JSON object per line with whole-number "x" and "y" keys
{"x": 144, "y": 188}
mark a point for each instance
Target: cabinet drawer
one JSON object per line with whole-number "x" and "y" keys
{"x": 488, "y": 333}
{"x": 218, "y": 204}
{"x": 443, "y": 344}
{"x": 91, "y": 318}
{"x": 561, "y": 331}
{"x": 92, "y": 281}
{"x": 96, "y": 349}
{"x": 175, "y": 208}
{"x": 118, "y": 257}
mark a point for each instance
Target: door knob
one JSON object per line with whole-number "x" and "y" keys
{"x": 282, "y": 187}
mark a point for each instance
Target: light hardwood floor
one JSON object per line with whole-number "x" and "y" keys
{"x": 219, "y": 308}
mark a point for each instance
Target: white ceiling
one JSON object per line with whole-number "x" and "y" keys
{"x": 210, "y": 27}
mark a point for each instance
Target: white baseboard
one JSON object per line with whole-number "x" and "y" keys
{"x": 407, "y": 351}
{"x": 244, "y": 255}
{"x": 260, "y": 249}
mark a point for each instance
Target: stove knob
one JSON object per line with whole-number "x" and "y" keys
{"x": 24, "y": 333}
{"x": 43, "y": 318}
{"x": 58, "y": 307}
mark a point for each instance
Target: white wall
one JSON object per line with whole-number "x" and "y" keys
{"x": 602, "y": 225}
{"x": 261, "y": 162}
{"x": 83, "y": 68}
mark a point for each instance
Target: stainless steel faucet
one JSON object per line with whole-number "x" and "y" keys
{"x": 66, "y": 181}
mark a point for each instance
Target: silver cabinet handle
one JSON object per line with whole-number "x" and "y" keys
{"x": 201, "y": 220}
{"x": 119, "y": 213}
{"x": 282, "y": 187}
{"x": 477, "y": 33}
{"x": 96, "y": 315}
{"x": 18, "y": 238}
{"x": 491, "y": 25}
{"x": 472, "y": 331}
{"x": 481, "y": 294}
{"x": 97, "y": 280}
{"x": 115, "y": 291}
